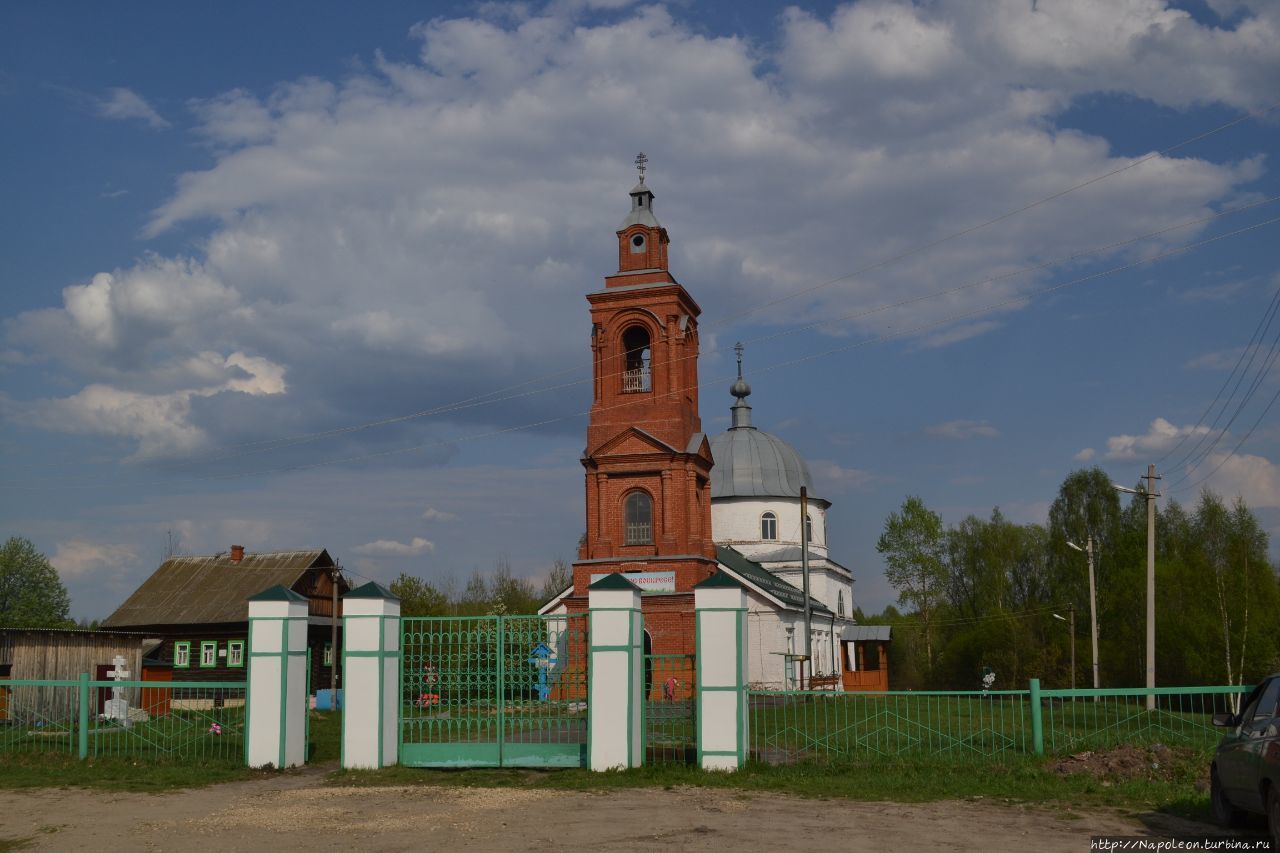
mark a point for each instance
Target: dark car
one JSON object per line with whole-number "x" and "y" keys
{"x": 1245, "y": 775}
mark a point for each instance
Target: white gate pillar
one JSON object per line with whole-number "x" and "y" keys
{"x": 370, "y": 677}
{"x": 615, "y": 707}
{"x": 276, "y": 716}
{"x": 720, "y": 605}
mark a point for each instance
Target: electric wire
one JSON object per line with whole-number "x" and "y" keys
{"x": 910, "y": 252}
{"x": 503, "y": 395}
{"x": 1259, "y": 332}
{"x": 776, "y": 366}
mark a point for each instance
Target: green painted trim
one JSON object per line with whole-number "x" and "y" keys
{"x": 483, "y": 754}
{"x": 628, "y": 647}
{"x": 306, "y": 712}
{"x": 701, "y": 721}
{"x": 743, "y": 717}
{"x": 284, "y": 687}
{"x": 185, "y": 644}
{"x": 591, "y": 684}
{"x": 721, "y": 610}
{"x": 1037, "y": 720}
{"x": 82, "y": 736}
{"x": 631, "y": 690}
{"x": 204, "y": 644}
{"x": 382, "y": 674}
{"x": 235, "y": 645}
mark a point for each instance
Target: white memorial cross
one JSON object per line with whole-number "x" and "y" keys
{"x": 117, "y": 707}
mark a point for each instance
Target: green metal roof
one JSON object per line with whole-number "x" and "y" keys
{"x": 760, "y": 577}
{"x": 279, "y": 592}
{"x": 614, "y": 580}
{"x": 720, "y": 580}
{"x": 372, "y": 589}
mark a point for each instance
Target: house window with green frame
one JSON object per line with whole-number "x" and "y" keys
{"x": 208, "y": 653}
{"x": 181, "y": 655}
{"x": 328, "y": 653}
{"x": 235, "y": 653}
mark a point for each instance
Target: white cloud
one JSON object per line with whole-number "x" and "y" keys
{"x": 422, "y": 229}
{"x": 161, "y": 424}
{"x": 1254, "y": 478}
{"x": 416, "y": 547}
{"x": 125, "y": 104}
{"x": 835, "y": 479}
{"x": 433, "y": 514}
{"x": 962, "y": 429}
{"x": 1160, "y": 436}
{"x": 76, "y": 558}
{"x": 1085, "y": 455}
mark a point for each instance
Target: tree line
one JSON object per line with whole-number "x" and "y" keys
{"x": 991, "y": 594}
{"x": 483, "y": 594}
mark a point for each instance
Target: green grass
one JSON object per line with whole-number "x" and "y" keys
{"x": 56, "y": 770}
{"x": 1015, "y": 779}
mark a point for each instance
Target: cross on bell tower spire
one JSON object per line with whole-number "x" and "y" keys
{"x": 642, "y": 163}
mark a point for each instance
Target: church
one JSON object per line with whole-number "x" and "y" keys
{"x": 668, "y": 506}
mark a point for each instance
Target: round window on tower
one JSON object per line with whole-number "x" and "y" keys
{"x": 637, "y": 244}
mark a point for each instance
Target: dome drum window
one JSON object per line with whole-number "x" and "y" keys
{"x": 768, "y": 526}
{"x": 637, "y": 510}
{"x": 637, "y": 244}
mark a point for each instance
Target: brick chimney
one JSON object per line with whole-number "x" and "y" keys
{"x": 237, "y": 553}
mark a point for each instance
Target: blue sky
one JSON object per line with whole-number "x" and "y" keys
{"x": 240, "y": 244}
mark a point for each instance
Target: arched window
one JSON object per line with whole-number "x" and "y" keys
{"x": 638, "y": 516}
{"x": 808, "y": 527}
{"x": 635, "y": 370}
{"x": 840, "y": 604}
{"x": 768, "y": 526}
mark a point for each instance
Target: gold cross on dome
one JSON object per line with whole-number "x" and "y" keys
{"x": 642, "y": 163}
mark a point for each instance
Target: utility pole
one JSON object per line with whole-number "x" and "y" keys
{"x": 333, "y": 640}
{"x": 1071, "y": 626}
{"x": 804, "y": 570}
{"x": 1151, "y": 585}
{"x": 1093, "y": 607}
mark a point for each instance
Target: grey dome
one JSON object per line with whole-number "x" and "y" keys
{"x": 752, "y": 463}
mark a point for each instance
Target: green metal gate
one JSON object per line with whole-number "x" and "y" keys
{"x": 671, "y": 702}
{"x": 494, "y": 691}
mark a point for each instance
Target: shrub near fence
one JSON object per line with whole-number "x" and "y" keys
{"x": 184, "y": 720}
{"x": 789, "y": 726}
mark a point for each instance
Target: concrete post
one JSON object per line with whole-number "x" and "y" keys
{"x": 276, "y": 717}
{"x": 370, "y": 678}
{"x": 615, "y": 707}
{"x": 720, "y": 605}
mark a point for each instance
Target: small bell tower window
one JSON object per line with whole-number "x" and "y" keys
{"x": 635, "y": 371}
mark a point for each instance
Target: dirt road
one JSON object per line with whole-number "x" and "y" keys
{"x": 299, "y": 812}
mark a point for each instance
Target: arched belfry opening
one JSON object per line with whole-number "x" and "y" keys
{"x": 636, "y": 348}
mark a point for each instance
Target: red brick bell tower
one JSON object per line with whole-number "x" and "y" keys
{"x": 648, "y": 464}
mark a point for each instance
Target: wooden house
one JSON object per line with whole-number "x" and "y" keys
{"x": 197, "y": 607}
{"x": 63, "y": 654}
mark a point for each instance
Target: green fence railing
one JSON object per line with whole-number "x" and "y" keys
{"x": 158, "y": 720}
{"x": 790, "y": 726}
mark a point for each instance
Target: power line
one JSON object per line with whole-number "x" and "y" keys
{"x": 501, "y": 395}
{"x": 1259, "y": 332}
{"x": 271, "y": 444}
{"x": 789, "y": 363}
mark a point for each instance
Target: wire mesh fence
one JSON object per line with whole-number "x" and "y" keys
{"x": 494, "y": 691}
{"x": 795, "y": 726}
{"x": 1076, "y": 720}
{"x": 141, "y": 720}
{"x": 791, "y": 726}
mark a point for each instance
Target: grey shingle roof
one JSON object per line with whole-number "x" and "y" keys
{"x": 213, "y": 589}
{"x": 868, "y": 632}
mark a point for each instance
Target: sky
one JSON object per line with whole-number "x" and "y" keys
{"x": 298, "y": 275}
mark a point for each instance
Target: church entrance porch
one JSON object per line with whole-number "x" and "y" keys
{"x": 494, "y": 691}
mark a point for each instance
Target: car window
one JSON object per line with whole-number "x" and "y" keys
{"x": 1265, "y": 708}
